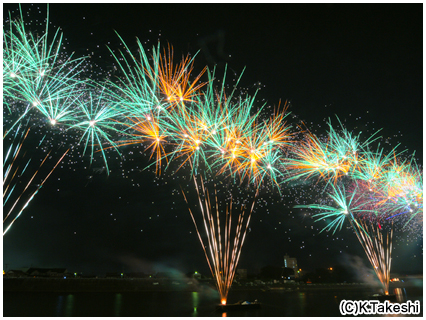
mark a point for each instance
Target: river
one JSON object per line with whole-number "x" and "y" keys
{"x": 275, "y": 303}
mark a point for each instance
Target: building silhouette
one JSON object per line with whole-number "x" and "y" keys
{"x": 291, "y": 263}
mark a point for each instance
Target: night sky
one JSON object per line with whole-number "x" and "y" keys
{"x": 361, "y": 62}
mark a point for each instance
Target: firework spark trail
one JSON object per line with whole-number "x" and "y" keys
{"x": 17, "y": 122}
{"x": 32, "y": 195}
{"x": 224, "y": 244}
{"x": 345, "y": 208}
{"x": 362, "y": 216}
{"x": 378, "y": 252}
{"x": 25, "y": 188}
{"x": 136, "y": 92}
{"x": 174, "y": 81}
{"x": 14, "y": 155}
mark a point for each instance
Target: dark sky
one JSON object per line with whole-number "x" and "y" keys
{"x": 362, "y": 62}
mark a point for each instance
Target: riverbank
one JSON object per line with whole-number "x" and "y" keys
{"x": 72, "y": 285}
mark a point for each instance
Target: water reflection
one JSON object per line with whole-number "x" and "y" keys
{"x": 302, "y": 303}
{"x": 69, "y": 304}
{"x": 186, "y": 304}
{"x": 401, "y": 295}
{"x": 195, "y": 300}
{"x": 117, "y": 304}
{"x": 59, "y": 306}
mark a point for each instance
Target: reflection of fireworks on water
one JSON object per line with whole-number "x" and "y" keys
{"x": 225, "y": 236}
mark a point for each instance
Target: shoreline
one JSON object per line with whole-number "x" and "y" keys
{"x": 75, "y": 285}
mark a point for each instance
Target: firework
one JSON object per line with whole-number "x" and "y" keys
{"x": 39, "y": 81}
{"x": 36, "y": 72}
{"x": 344, "y": 209}
{"x": 174, "y": 82}
{"x": 377, "y": 249}
{"x": 97, "y": 120}
{"x": 225, "y": 237}
{"x": 19, "y": 177}
{"x": 380, "y": 191}
{"x": 146, "y": 129}
{"x": 200, "y": 125}
{"x": 136, "y": 92}
{"x": 330, "y": 158}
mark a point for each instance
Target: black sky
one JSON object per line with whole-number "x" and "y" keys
{"x": 362, "y": 62}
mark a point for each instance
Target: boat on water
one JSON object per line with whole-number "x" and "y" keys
{"x": 240, "y": 305}
{"x": 383, "y": 297}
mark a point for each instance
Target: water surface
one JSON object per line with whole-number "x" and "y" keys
{"x": 275, "y": 303}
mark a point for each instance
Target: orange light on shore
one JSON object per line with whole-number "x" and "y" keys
{"x": 223, "y": 301}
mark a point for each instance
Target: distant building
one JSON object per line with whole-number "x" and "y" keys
{"x": 291, "y": 263}
{"x": 15, "y": 274}
{"x": 38, "y": 272}
{"x": 47, "y": 272}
